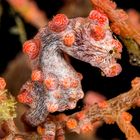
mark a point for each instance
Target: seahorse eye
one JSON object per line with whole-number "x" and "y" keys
{"x": 111, "y": 52}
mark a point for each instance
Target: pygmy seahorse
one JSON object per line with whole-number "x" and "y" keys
{"x": 55, "y": 85}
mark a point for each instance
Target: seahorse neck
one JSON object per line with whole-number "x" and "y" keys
{"x": 53, "y": 61}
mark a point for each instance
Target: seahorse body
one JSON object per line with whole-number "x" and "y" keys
{"x": 55, "y": 85}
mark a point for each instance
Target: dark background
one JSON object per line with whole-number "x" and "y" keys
{"x": 10, "y": 46}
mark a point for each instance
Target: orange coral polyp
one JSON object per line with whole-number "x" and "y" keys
{"x": 71, "y": 123}
{"x": 100, "y": 17}
{"x": 58, "y": 23}
{"x": 126, "y": 116}
{"x": 2, "y": 83}
{"x": 103, "y": 104}
{"x": 87, "y": 128}
{"x": 80, "y": 115}
{"x": 135, "y": 82}
{"x": 122, "y": 14}
{"x": 112, "y": 4}
{"x": 40, "y": 130}
{"x": 115, "y": 28}
{"x": 31, "y": 48}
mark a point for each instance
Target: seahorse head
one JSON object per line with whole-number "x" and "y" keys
{"x": 90, "y": 40}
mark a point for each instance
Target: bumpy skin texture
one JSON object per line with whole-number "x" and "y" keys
{"x": 55, "y": 85}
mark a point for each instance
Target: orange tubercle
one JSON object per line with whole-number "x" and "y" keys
{"x": 37, "y": 75}
{"x": 31, "y": 48}
{"x": 51, "y": 82}
{"x": 115, "y": 70}
{"x": 52, "y": 107}
{"x": 71, "y": 123}
{"x": 69, "y": 39}
{"x": 117, "y": 45}
{"x": 97, "y": 32}
{"x": 58, "y": 23}
{"x": 74, "y": 83}
{"x": 2, "y": 83}
{"x": 66, "y": 83}
{"x": 24, "y": 97}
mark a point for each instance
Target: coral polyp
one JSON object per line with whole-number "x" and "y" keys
{"x": 2, "y": 83}
{"x": 55, "y": 85}
{"x": 98, "y": 17}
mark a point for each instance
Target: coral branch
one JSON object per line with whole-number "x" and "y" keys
{"x": 7, "y": 112}
{"x": 56, "y": 86}
{"x": 118, "y": 104}
{"x": 29, "y": 11}
{"x": 84, "y": 122}
{"x": 124, "y": 122}
{"x": 119, "y": 19}
{"x": 11, "y": 130}
{"x": 111, "y": 111}
{"x": 133, "y": 50}
{"x": 114, "y": 109}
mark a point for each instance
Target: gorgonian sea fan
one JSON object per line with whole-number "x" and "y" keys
{"x": 55, "y": 85}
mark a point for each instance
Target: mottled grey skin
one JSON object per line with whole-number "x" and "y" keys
{"x": 37, "y": 111}
{"x": 51, "y": 61}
